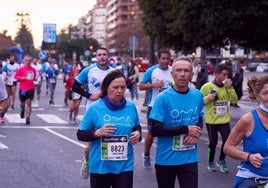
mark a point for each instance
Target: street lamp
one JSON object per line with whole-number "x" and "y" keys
{"x": 133, "y": 38}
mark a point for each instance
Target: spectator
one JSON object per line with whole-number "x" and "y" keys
{"x": 196, "y": 70}
{"x": 111, "y": 118}
{"x": 133, "y": 79}
{"x": 251, "y": 130}
{"x": 238, "y": 85}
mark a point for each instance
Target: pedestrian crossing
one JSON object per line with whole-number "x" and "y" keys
{"x": 45, "y": 118}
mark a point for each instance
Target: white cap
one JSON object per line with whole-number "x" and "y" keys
{"x": 93, "y": 59}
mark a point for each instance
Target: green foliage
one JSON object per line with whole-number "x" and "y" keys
{"x": 25, "y": 39}
{"x": 184, "y": 24}
{"x": 77, "y": 45}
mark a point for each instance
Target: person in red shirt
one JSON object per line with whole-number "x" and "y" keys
{"x": 26, "y": 75}
{"x": 74, "y": 98}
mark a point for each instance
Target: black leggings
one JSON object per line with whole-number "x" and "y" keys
{"x": 187, "y": 175}
{"x": 122, "y": 180}
{"x": 213, "y": 129}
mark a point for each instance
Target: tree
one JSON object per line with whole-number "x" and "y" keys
{"x": 24, "y": 36}
{"x": 207, "y": 23}
{"x": 69, "y": 46}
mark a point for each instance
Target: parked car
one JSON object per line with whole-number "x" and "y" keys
{"x": 262, "y": 67}
{"x": 252, "y": 66}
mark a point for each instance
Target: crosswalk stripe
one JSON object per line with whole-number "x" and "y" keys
{"x": 3, "y": 146}
{"x": 38, "y": 109}
{"x": 50, "y": 118}
{"x": 80, "y": 117}
{"x": 14, "y": 118}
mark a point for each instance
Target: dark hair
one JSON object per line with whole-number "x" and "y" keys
{"x": 255, "y": 85}
{"x": 102, "y": 48}
{"x": 219, "y": 68}
{"x": 108, "y": 79}
{"x": 163, "y": 51}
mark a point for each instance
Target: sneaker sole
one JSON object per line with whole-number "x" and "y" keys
{"x": 223, "y": 171}
{"x": 211, "y": 170}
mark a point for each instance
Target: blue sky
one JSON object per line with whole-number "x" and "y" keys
{"x": 59, "y": 12}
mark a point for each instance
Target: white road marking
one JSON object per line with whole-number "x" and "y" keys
{"x": 65, "y": 138}
{"x": 38, "y": 109}
{"x": 14, "y": 118}
{"x": 80, "y": 117}
{"x": 63, "y": 109}
{"x": 3, "y": 146}
{"x": 50, "y": 118}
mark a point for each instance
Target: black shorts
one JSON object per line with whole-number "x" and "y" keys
{"x": 24, "y": 95}
{"x": 14, "y": 84}
{"x": 74, "y": 96}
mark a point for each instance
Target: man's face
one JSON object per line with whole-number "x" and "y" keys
{"x": 12, "y": 58}
{"x": 220, "y": 77}
{"x": 182, "y": 74}
{"x": 27, "y": 61}
{"x": 164, "y": 60}
{"x": 102, "y": 57}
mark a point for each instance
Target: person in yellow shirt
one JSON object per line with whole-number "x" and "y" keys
{"x": 217, "y": 95}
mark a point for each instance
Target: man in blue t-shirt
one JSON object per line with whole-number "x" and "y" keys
{"x": 177, "y": 120}
{"x": 156, "y": 79}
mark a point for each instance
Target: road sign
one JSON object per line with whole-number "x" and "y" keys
{"x": 42, "y": 55}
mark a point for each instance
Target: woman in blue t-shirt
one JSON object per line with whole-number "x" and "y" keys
{"x": 112, "y": 126}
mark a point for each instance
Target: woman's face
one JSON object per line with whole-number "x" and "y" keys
{"x": 263, "y": 95}
{"x": 116, "y": 89}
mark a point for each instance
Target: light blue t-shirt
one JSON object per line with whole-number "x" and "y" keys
{"x": 155, "y": 74}
{"x": 124, "y": 120}
{"x": 92, "y": 77}
{"x": 176, "y": 109}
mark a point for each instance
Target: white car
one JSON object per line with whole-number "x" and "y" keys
{"x": 262, "y": 67}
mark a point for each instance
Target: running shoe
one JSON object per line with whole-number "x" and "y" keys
{"x": 223, "y": 167}
{"x": 146, "y": 162}
{"x": 22, "y": 113}
{"x": 28, "y": 121}
{"x": 84, "y": 171}
{"x": 211, "y": 167}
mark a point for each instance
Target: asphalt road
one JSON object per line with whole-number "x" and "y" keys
{"x": 46, "y": 153}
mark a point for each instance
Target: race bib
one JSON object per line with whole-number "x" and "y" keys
{"x": 75, "y": 96}
{"x": 36, "y": 82}
{"x": 220, "y": 108}
{"x": 178, "y": 144}
{"x": 52, "y": 80}
{"x": 10, "y": 81}
{"x": 29, "y": 76}
{"x": 114, "y": 148}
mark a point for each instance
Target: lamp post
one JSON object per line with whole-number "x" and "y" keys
{"x": 133, "y": 38}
